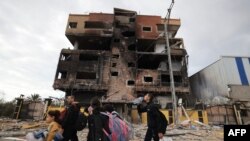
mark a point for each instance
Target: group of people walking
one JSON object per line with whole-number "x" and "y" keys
{"x": 99, "y": 121}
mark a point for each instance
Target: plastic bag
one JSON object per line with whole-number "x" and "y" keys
{"x": 39, "y": 135}
{"x": 58, "y": 136}
{"x": 30, "y": 137}
{"x": 166, "y": 139}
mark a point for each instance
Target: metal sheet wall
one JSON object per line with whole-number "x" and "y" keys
{"x": 214, "y": 79}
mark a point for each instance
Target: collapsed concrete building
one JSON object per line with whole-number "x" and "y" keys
{"x": 118, "y": 57}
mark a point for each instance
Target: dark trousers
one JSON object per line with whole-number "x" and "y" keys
{"x": 151, "y": 133}
{"x": 70, "y": 135}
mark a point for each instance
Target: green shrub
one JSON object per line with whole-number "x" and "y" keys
{"x": 7, "y": 108}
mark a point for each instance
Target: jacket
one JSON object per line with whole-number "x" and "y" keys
{"x": 153, "y": 116}
{"x": 70, "y": 117}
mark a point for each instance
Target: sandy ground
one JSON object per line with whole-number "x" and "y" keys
{"x": 12, "y": 130}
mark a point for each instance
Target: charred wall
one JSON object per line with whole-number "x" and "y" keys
{"x": 119, "y": 57}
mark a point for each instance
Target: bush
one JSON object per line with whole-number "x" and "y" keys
{"x": 7, "y": 109}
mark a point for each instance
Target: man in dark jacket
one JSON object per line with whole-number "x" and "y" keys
{"x": 98, "y": 123}
{"x": 69, "y": 120}
{"x": 154, "y": 130}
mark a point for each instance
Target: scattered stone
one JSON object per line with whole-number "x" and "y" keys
{"x": 18, "y": 129}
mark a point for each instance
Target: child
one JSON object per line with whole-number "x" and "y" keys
{"x": 54, "y": 128}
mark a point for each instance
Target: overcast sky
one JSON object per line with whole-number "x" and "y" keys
{"x": 32, "y": 35}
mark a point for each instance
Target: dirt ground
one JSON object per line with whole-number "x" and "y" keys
{"x": 13, "y": 130}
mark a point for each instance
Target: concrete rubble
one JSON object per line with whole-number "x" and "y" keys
{"x": 16, "y": 129}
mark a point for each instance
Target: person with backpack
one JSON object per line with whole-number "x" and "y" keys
{"x": 69, "y": 119}
{"x": 98, "y": 123}
{"x": 156, "y": 123}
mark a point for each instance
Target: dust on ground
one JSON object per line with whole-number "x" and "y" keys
{"x": 13, "y": 130}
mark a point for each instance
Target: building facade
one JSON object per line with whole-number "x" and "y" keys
{"x": 118, "y": 57}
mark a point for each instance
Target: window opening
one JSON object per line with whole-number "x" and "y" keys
{"x": 72, "y": 24}
{"x": 131, "y": 64}
{"x": 66, "y": 57}
{"x": 86, "y": 75}
{"x": 115, "y": 56}
{"x": 114, "y": 73}
{"x": 130, "y": 82}
{"x": 146, "y": 28}
{"x": 116, "y": 40}
{"x": 148, "y": 79}
{"x": 88, "y": 57}
{"x": 62, "y": 75}
{"x": 114, "y": 64}
{"x": 131, "y": 20}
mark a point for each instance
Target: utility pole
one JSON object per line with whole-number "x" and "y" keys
{"x": 166, "y": 23}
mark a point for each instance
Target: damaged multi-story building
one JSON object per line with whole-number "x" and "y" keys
{"x": 118, "y": 57}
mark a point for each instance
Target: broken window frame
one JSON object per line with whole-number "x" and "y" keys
{"x": 131, "y": 64}
{"x": 96, "y": 25}
{"x": 88, "y": 57}
{"x": 66, "y": 57}
{"x": 165, "y": 79}
{"x": 132, "y": 47}
{"x": 128, "y": 34}
{"x": 145, "y": 61}
{"x": 114, "y": 65}
{"x": 115, "y": 56}
{"x": 130, "y": 85}
{"x": 72, "y": 25}
{"x": 149, "y": 77}
{"x": 158, "y": 26}
{"x": 131, "y": 20}
{"x": 62, "y": 75}
{"x": 114, "y": 73}
{"x": 86, "y": 75}
{"x": 116, "y": 40}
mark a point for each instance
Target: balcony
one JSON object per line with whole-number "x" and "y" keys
{"x": 90, "y": 28}
{"x": 150, "y": 27}
{"x": 83, "y": 29}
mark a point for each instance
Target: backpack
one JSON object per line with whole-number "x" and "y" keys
{"x": 119, "y": 128}
{"x": 81, "y": 122}
{"x": 163, "y": 121}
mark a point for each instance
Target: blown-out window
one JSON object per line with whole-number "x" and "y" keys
{"x": 72, "y": 24}
{"x": 94, "y": 24}
{"x": 130, "y": 82}
{"x": 148, "y": 79}
{"x": 86, "y": 75}
{"x": 160, "y": 27}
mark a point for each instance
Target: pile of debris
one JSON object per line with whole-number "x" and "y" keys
{"x": 18, "y": 128}
{"x": 185, "y": 131}
{"x": 200, "y": 133}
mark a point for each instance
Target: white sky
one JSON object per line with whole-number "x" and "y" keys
{"x": 32, "y": 35}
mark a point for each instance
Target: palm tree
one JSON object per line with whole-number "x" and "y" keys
{"x": 34, "y": 97}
